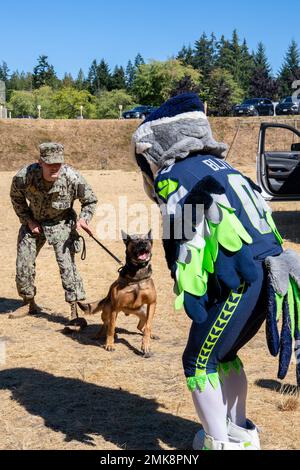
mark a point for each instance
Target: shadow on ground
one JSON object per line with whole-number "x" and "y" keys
{"x": 81, "y": 410}
{"x": 9, "y": 305}
{"x": 275, "y": 386}
{"x": 87, "y": 338}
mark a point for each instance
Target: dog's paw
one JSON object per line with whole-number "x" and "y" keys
{"x": 110, "y": 348}
{"x": 155, "y": 337}
{"x": 147, "y": 355}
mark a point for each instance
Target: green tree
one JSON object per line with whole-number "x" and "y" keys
{"x": 68, "y": 80}
{"x": 290, "y": 70}
{"x": 130, "y": 75}
{"x": 22, "y": 103}
{"x": 4, "y": 72}
{"x": 247, "y": 65}
{"x": 44, "y": 73}
{"x": 44, "y": 97}
{"x": 224, "y": 54}
{"x": 224, "y": 93}
{"x": 155, "y": 81}
{"x": 108, "y": 102}
{"x": 104, "y": 76}
{"x": 93, "y": 79}
{"x": 261, "y": 59}
{"x": 205, "y": 54}
{"x": 118, "y": 79}
{"x": 80, "y": 82}
{"x": 186, "y": 56}
{"x": 19, "y": 81}
{"x": 138, "y": 61}
{"x": 67, "y": 102}
{"x": 261, "y": 83}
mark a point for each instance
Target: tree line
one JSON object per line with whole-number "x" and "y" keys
{"x": 223, "y": 71}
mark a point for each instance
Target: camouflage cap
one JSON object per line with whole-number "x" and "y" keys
{"x": 52, "y": 153}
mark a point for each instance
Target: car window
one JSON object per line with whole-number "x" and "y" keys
{"x": 247, "y": 102}
{"x": 280, "y": 139}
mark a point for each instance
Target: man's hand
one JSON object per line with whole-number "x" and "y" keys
{"x": 81, "y": 224}
{"x": 35, "y": 227}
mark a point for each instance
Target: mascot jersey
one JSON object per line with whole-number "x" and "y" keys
{"x": 219, "y": 265}
{"x": 232, "y": 227}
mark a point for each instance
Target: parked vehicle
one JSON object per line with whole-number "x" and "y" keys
{"x": 254, "y": 107}
{"x": 25, "y": 117}
{"x": 140, "y": 112}
{"x": 288, "y": 105}
{"x": 278, "y": 171}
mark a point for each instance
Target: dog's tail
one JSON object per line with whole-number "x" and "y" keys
{"x": 93, "y": 308}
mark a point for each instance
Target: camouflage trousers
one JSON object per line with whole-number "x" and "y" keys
{"x": 28, "y": 249}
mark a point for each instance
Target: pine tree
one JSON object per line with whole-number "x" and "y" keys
{"x": 261, "y": 60}
{"x": 80, "y": 82}
{"x": 224, "y": 54}
{"x": 236, "y": 59}
{"x": 130, "y": 75}
{"x": 118, "y": 79}
{"x": 93, "y": 79}
{"x": 68, "y": 80}
{"x": 204, "y": 55}
{"x": 20, "y": 81}
{"x": 290, "y": 70}
{"x": 4, "y": 72}
{"x": 43, "y": 73}
{"x": 247, "y": 64}
{"x": 186, "y": 56}
{"x": 104, "y": 77}
{"x": 262, "y": 84}
{"x": 139, "y": 61}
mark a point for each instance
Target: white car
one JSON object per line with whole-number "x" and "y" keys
{"x": 278, "y": 162}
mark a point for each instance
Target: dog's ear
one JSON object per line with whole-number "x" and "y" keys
{"x": 150, "y": 236}
{"x": 126, "y": 238}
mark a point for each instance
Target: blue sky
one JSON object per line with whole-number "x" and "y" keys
{"x": 73, "y": 33}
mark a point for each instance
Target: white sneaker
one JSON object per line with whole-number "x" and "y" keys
{"x": 251, "y": 434}
{"x": 211, "y": 444}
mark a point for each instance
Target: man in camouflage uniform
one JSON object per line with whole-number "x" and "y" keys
{"x": 50, "y": 187}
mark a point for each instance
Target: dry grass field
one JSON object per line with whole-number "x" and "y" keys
{"x": 65, "y": 391}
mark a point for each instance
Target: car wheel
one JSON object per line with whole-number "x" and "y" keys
{"x": 271, "y": 112}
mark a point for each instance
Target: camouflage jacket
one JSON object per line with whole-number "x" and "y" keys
{"x": 52, "y": 206}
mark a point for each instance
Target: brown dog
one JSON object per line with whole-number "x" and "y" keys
{"x": 132, "y": 293}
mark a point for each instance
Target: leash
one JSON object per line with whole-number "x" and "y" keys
{"x": 83, "y": 253}
{"x": 103, "y": 248}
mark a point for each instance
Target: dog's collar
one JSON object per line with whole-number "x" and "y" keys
{"x": 129, "y": 272}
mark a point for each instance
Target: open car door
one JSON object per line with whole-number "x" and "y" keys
{"x": 278, "y": 162}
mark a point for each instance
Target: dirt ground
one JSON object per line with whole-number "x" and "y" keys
{"x": 67, "y": 392}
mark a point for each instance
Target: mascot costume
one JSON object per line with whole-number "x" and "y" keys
{"x": 225, "y": 255}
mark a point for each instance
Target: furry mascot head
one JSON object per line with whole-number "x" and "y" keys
{"x": 175, "y": 131}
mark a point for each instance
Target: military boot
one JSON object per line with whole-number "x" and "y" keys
{"x": 29, "y": 307}
{"x": 74, "y": 311}
{"x": 76, "y": 324}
